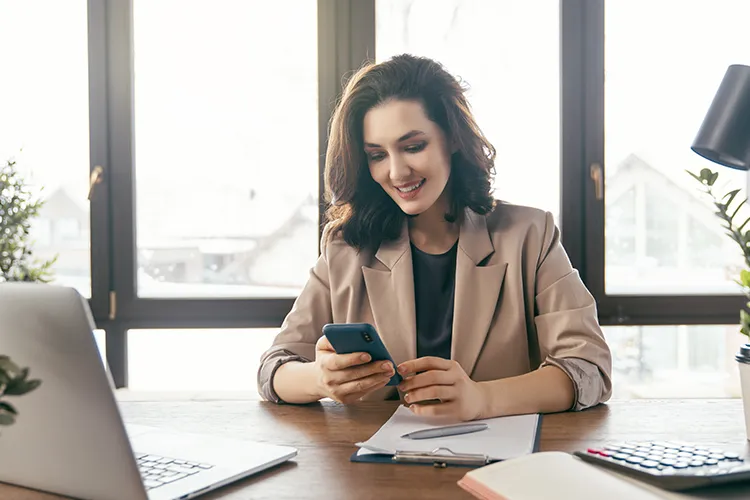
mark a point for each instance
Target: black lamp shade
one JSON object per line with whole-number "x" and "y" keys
{"x": 724, "y": 136}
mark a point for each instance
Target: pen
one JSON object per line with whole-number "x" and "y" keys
{"x": 450, "y": 430}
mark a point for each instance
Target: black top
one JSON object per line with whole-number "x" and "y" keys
{"x": 434, "y": 292}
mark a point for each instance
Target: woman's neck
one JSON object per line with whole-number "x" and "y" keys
{"x": 430, "y": 232}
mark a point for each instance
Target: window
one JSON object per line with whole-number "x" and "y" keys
{"x": 226, "y": 147}
{"x": 514, "y": 93}
{"x": 225, "y": 360}
{"x": 660, "y": 78}
{"x": 683, "y": 361}
{"x": 44, "y": 124}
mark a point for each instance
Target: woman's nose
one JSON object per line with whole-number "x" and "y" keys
{"x": 399, "y": 168}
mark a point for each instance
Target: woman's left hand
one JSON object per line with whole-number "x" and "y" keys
{"x": 460, "y": 398}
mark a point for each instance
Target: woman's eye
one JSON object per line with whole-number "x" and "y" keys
{"x": 415, "y": 148}
{"x": 376, "y": 156}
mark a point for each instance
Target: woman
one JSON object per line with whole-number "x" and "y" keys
{"x": 475, "y": 300}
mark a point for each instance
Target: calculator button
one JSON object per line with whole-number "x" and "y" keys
{"x": 716, "y": 456}
{"x": 650, "y": 464}
{"x": 732, "y": 456}
{"x": 634, "y": 460}
{"x": 697, "y": 463}
{"x": 640, "y": 454}
{"x": 612, "y": 447}
{"x": 711, "y": 461}
{"x": 680, "y": 465}
{"x": 684, "y": 454}
{"x": 621, "y": 456}
{"x": 670, "y": 456}
{"x": 668, "y": 462}
{"x": 703, "y": 453}
{"x": 656, "y": 458}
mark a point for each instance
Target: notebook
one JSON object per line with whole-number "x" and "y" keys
{"x": 505, "y": 437}
{"x": 566, "y": 477}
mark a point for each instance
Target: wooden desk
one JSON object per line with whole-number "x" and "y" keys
{"x": 325, "y": 433}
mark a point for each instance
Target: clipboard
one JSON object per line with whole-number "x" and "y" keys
{"x": 439, "y": 457}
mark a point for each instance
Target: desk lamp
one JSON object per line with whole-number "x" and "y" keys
{"x": 724, "y": 138}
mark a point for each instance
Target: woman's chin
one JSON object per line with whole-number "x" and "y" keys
{"x": 412, "y": 209}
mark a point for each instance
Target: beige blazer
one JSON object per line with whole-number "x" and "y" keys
{"x": 518, "y": 305}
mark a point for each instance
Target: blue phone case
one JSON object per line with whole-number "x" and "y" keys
{"x": 347, "y": 338}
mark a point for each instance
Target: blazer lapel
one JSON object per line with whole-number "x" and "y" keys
{"x": 477, "y": 290}
{"x": 391, "y": 295}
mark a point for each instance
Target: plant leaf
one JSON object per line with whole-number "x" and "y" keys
{"x": 21, "y": 387}
{"x": 696, "y": 177}
{"x": 9, "y": 366}
{"x": 738, "y": 208}
{"x": 8, "y": 407}
{"x": 7, "y": 418}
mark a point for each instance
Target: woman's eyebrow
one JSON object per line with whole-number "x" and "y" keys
{"x": 403, "y": 138}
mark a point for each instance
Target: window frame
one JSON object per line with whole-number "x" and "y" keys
{"x": 346, "y": 38}
{"x": 346, "y": 35}
{"x": 617, "y": 309}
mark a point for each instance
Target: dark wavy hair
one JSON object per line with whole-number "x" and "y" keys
{"x": 359, "y": 208}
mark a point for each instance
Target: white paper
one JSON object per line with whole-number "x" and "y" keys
{"x": 505, "y": 437}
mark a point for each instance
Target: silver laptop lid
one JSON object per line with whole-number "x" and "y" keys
{"x": 69, "y": 437}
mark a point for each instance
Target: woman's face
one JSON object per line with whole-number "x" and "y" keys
{"x": 408, "y": 154}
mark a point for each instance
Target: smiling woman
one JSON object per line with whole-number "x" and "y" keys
{"x": 408, "y": 123}
{"x": 475, "y": 300}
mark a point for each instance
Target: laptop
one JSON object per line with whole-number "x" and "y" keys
{"x": 69, "y": 437}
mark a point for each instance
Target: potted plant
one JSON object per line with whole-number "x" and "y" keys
{"x": 727, "y": 211}
{"x": 18, "y": 206}
{"x": 739, "y": 230}
{"x": 14, "y": 381}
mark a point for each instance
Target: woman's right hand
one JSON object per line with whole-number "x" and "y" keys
{"x": 348, "y": 377}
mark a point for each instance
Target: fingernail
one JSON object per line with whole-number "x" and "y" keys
{"x": 386, "y": 366}
{"x": 365, "y": 357}
{"x": 407, "y": 397}
{"x": 402, "y": 369}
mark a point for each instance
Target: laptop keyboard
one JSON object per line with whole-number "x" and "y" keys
{"x": 157, "y": 471}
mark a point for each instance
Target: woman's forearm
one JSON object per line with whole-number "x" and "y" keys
{"x": 546, "y": 390}
{"x": 296, "y": 382}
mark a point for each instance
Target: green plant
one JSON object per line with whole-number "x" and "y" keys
{"x": 727, "y": 212}
{"x": 13, "y": 382}
{"x": 18, "y": 206}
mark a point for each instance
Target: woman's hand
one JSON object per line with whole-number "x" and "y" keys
{"x": 348, "y": 377}
{"x": 460, "y": 398}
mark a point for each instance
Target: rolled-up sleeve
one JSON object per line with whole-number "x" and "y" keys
{"x": 300, "y": 331}
{"x": 567, "y": 326}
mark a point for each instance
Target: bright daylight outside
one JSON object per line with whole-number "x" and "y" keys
{"x": 661, "y": 235}
{"x": 226, "y": 156}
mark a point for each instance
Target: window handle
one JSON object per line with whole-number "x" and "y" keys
{"x": 97, "y": 176}
{"x": 598, "y": 177}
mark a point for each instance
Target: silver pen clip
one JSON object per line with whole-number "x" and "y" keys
{"x": 439, "y": 458}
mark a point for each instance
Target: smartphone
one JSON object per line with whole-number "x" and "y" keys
{"x": 347, "y": 338}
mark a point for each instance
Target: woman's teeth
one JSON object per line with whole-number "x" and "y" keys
{"x": 411, "y": 188}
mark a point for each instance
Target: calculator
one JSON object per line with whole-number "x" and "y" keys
{"x": 674, "y": 466}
